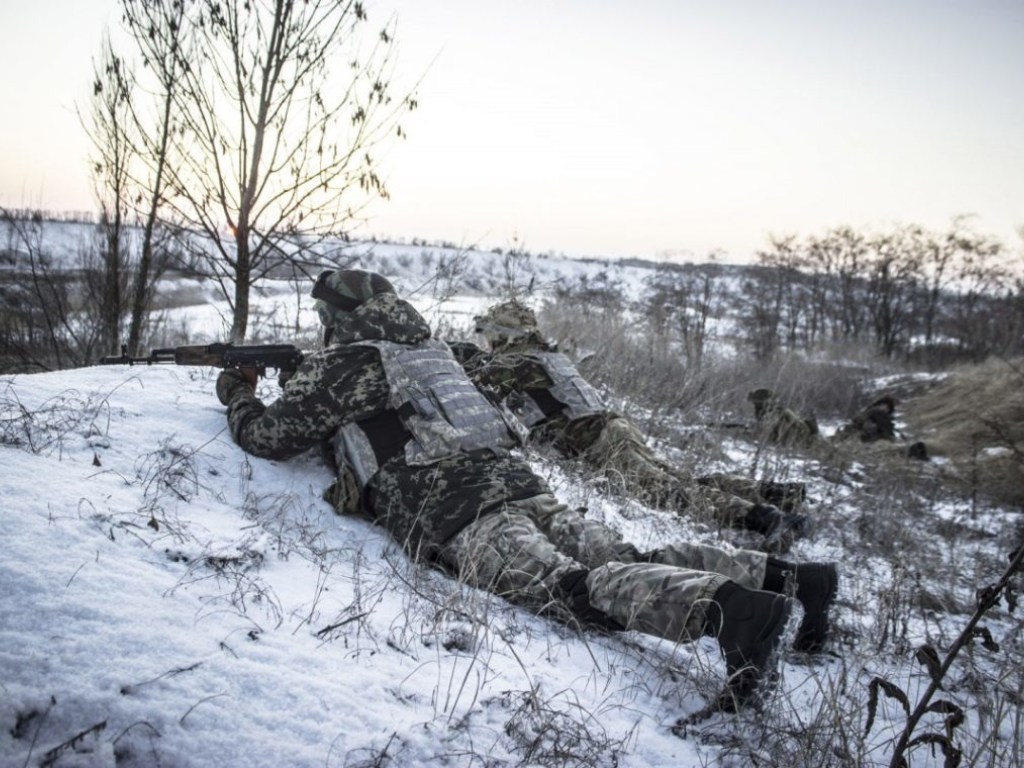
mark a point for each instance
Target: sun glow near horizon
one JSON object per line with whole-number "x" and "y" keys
{"x": 597, "y": 129}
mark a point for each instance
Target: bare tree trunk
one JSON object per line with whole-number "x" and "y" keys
{"x": 113, "y": 279}
{"x": 243, "y": 284}
{"x": 108, "y": 124}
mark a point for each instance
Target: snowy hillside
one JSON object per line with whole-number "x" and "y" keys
{"x": 167, "y": 600}
{"x": 423, "y": 267}
{"x": 193, "y": 309}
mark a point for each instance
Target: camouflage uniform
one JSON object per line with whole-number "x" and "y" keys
{"x": 519, "y": 370}
{"x": 876, "y": 422}
{"x": 874, "y": 428}
{"x": 486, "y": 516}
{"x": 525, "y": 550}
{"x": 780, "y": 424}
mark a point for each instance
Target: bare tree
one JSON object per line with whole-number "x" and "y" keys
{"x": 940, "y": 256}
{"x": 767, "y": 290}
{"x": 684, "y": 300}
{"x": 108, "y": 125}
{"x": 159, "y": 30}
{"x": 979, "y": 277}
{"x": 268, "y": 142}
{"x": 849, "y": 251}
{"x": 129, "y": 123}
{"x": 785, "y": 260}
{"x": 895, "y": 266}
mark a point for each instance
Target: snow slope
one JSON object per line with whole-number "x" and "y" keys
{"x": 166, "y": 600}
{"x": 193, "y": 606}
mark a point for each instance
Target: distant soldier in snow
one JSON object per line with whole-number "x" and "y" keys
{"x": 779, "y": 424}
{"x": 876, "y": 422}
{"x": 431, "y": 460}
{"x": 547, "y": 392}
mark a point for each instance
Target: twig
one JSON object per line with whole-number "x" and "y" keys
{"x": 127, "y": 689}
{"x": 68, "y": 584}
{"x": 321, "y": 633}
{"x": 201, "y": 701}
{"x": 51, "y": 757}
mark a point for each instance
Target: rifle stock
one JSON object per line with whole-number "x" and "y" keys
{"x": 284, "y": 358}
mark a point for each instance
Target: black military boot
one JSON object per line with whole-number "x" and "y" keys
{"x": 785, "y": 496}
{"x": 779, "y": 528}
{"x": 748, "y": 624}
{"x": 816, "y": 585}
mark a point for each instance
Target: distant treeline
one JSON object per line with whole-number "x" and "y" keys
{"x": 932, "y": 298}
{"x": 942, "y": 296}
{"x": 928, "y": 298}
{"x": 42, "y": 214}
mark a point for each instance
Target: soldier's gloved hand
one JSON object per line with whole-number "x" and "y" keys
{"x": 284, "y": 377}
{"x": 231, "y": 379}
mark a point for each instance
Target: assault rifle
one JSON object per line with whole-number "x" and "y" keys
{"x": 284, "y": 358}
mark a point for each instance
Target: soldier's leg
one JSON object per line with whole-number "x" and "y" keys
{"x": 787, "y": 496}
{"x": 734, "y": 484}
{"x": 506, "y": 553}
{"x": 743, "y": 566}
{"x": 658, "y": 599}
{"x": 779, "y": 528}
{"x": 587, "y": 541}
{"x": 592, "y": 544}
{"x": 621, "y": 454}
{"x": 509, "y": 552}
{"x": 680, "y": 604}
{"x": 721, "y": 506}
{"x": 522, "y": 551}
{"x": 621, "y": 447}
{"x": 816, "y": 584}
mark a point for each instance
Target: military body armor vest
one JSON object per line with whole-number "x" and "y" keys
{"x": 443, "y": 412}
{"x": 576, "y": 395}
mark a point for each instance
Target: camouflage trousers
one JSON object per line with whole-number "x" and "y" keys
{"x": 621, "y": 454}
{"x": 522, "y": 551}
{"x": 785, "y": 427}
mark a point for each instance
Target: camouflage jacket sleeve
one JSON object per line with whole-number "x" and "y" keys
{"x": 326, "y": 390}
{"x": 476, "y": 362}
{"x": 507, "y": 374}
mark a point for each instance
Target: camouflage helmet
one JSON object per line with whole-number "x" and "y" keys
{"x": 507, "y": 321}
{"x": 341, "y": 291}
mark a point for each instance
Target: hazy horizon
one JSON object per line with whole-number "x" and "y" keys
{"x": 654, "y": 129}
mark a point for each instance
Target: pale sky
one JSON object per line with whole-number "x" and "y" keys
{"x": 640, "y": 128}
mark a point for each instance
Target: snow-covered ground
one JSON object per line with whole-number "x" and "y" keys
{"x": 167, "y": 600}
{"x": 182, "y": 604}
